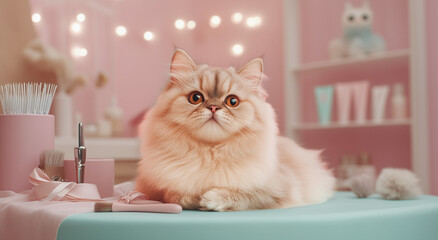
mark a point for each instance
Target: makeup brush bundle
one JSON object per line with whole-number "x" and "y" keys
{"x": 27, "y": 98}
{"x": 52, "y": 163}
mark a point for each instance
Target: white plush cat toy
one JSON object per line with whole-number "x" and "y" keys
{"x": 358, "y": 38}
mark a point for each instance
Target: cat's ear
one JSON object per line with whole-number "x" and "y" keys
{"x": 181, "y": 62}
{"x": 366, "y": 5}
{"x": 252, "y": 71}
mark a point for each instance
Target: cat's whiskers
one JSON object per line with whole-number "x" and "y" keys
{"x": 247, "y": 133}
{"x": 199, "y": 115}
{"x": 243, "y": 130}
{"x": 168, "y": 125}
{"x": 174, "y": 131}
{"x": 203, "y": 117}
{"x": 199, "y": 118}
{"x": 175, "y": 127}
{"x": 183, "y": 131}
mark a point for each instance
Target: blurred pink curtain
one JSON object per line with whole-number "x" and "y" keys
{"x": 16, "y": 30}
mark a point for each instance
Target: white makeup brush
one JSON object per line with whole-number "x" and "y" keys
{"x": 27, "y": 98}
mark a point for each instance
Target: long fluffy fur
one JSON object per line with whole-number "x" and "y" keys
{"x": 236, "y": 163}
{"x": 362, "y": 185}
{"x": 398, "y": 184}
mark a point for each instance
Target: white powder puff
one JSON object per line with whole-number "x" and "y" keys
{"x": 398, "y": 184}
{"x": 362, "y": 185}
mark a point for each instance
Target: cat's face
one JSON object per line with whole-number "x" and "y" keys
{"x": 212, "y": 104}
{"x": 357, "y": 16}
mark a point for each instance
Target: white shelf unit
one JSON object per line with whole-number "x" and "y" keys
{"x": 347, "y": 62}
{"x": 385, "y": 58}
{"x": 417, "y": 82}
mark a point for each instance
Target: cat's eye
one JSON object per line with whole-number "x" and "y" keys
{"x": 195, "y": 97}
{"x": 351, "y": 18}
{"x": 232, "y": 101}
{"x": 365, "y": 17}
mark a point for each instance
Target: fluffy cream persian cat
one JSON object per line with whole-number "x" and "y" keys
{"x": 211, "y": 143}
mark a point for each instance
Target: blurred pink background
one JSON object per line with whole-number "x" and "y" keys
{"x": 432, "y": 39}
{"x": 138, "y": 69}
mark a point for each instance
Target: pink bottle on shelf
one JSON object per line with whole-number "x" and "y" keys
{"x": 360, "y": 96}
{"x": 344, "y": 92}
{"x": 399, "y": 110}
{"x": 22, "y": 139}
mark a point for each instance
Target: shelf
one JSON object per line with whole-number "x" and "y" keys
{"x": 317, "y": 126}
{"x": 117, "y": 148}
{"x": 345, "y": 62}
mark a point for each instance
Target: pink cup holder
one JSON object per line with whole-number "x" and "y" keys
{"x": 22, "y": 139}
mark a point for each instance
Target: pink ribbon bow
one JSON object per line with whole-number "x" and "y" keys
{"x": 133, "y": 196}
{"x": 47, "y": 190}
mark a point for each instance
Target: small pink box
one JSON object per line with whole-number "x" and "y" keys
{"x": 99, "y": 171}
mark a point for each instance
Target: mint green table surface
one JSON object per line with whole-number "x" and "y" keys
{"x": 344, "y": 217}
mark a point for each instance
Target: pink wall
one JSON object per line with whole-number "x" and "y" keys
{"x": 432, "y": 50}
{"x": 142, "y": 67}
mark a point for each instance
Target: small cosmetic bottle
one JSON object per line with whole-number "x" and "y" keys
{"x": 114, "y": 114}
{"x": 324, "y": 100}
{"x": 398, "y": 102}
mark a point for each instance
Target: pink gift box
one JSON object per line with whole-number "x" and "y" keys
{"x": 99, "y": 171}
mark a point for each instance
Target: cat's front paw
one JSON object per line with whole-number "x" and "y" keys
{"x": 216, "y": 199}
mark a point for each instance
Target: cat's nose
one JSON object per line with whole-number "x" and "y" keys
{"x": 213, "y": 108}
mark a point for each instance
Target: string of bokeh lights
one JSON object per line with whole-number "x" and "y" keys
{"x": 180, "y": 24}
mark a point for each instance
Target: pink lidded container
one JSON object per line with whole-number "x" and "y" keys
{"x": 99, "y": 171}
{"x": 22, "y": 139}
